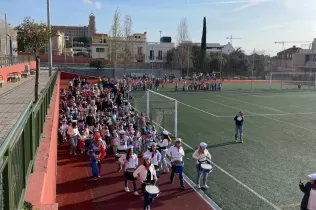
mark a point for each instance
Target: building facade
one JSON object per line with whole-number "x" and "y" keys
{"x": 218, "y": 48}
{"x": 157, "y": 51}
{"x": 58, "y": 43}
{"x": 78, "y": 31}
{"x": 132, "y": 48}
{"x": 305, "y": 59}
{"x": 7, "y": 33}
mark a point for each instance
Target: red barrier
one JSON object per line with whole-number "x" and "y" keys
{"x": 41, "y": 188}
{"x": 15, "y": 68}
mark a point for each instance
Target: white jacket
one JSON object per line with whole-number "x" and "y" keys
{"x": 198, "y": 156}
{"x": 156, "y": 159}
{"x": 176, "y": 154}
{"x": 142, "y": 173}
{"x": 132, "y": 163}
{"x": 163, "y": 143}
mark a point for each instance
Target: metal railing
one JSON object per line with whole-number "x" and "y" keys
{"x": 19, "y": 150}
{"x": 12, "y": 60}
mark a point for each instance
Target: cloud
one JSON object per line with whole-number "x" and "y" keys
{"x": 272, "y": 27}
{"x": 96, "y": 4}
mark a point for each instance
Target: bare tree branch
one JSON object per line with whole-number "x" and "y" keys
{"x": 115, "y": 36}
{"x": 127, "y": 53}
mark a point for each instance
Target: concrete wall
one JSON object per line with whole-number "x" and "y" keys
{"x": 41, "y": 187}
{"x": 15, "y": 68}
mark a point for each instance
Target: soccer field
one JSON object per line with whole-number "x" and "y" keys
{"x": 278, "y": 149}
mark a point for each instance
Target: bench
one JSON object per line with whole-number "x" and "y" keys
{"x": 14, "y": 77}
{"x": 33, "y": 71}
{"x": 24, "y": 74}
{"x": 1, "y": 81}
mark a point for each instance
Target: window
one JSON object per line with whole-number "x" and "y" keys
{"x": 140, "y": 50}
{"x": 160, "y": 55}
{"x": 99, "y": 49}
{"x": 151, "y": 55}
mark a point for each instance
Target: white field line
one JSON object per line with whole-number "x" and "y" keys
{"x": 236, "y": 108}
{"x": 254, "y": 115}
{"x": 265, "y": 107}
{"x": 197, "y": 109}
{"x": 232, "y": 177}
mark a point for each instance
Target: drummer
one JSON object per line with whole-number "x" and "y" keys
{"x": 147, "y": 176}
{"x": 201, "y": 155}
{"x": 163, "y": 144}
{"x": 155, "y": 157}
{"x": 176, "y": 153}
{"x": 130, "y": 161}
{"x": 121, "y": 143}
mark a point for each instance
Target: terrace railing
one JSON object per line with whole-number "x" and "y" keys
{"x": 19, "y": 150}
{"x": 12, "y": 60}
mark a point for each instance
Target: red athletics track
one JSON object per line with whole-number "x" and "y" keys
{"x": 78, "y": 191}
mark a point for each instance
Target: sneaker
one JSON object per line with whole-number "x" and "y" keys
{"x": 240, "y": 141}
{"x": 95, "y": 178}
{"x": 183, "y": 187}
{"x": 205, "y": 187}
{"x": 198, "y": 186}
{"x": 75, "y": 153}
{"x": 99, "y": 176}
{"x": 135, "y": 193}
{"x": 171, "y": 182}
{"x": 70, "y": 153}
{"x": 126, "y": 189}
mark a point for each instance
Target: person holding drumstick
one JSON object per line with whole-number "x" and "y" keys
{"x": 201, "y": 155}
{"x": 147, "y": 176}
{"x": 163, "y": 147}
{"x": 121, "y": 144}
{"x": 155, "y": 158}
{"x": 176, "y": 153}
{"x": 130, "y": 161}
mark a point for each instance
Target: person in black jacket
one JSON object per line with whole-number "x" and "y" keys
{"x": 239, "y": 121}
{"x": 90, "y": 120}
{"x": 309, "y": 187}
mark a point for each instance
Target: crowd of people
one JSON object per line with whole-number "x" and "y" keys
{"x": 97, "y": 119}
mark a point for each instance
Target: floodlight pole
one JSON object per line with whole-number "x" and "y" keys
{"x": 50, "y": 50}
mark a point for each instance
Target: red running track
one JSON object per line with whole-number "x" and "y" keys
{"x": 76, "y": 190}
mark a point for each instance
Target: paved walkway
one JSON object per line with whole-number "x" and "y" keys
{"x": 14, "y": 98}
{"x": 76, "y": 190}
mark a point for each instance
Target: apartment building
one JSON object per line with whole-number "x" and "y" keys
{"x": 218, "y": 48}
{"x": 157, "y": 51}
{"x": 109, "y": 48}
{"x": 305, "y": 59}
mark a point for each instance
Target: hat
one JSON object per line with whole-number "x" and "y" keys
{"x": 121, "y": 132}
{"x": 164, "y": 132}
{"x": 130, "y": 147}
{"x": 97, "y": 137}
{"x": 203, "y": 144}
{"x": 154, "y": 144}
{"x": 312, "y": 176}
{"x": 178, "y": 140}
{"x": 146, "y": 156}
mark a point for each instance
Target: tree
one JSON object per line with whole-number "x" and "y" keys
{"x": 181, "y": 54}
{"x": 115, "y": 37}
{"x": 195, "y": 56}
{"x": 85, "y": 40}
{"x": 32, "y": 36}
{"x": 203, "y": 46}
{"x": 82, "y": 54}
{"x": 98, "y": 63}
{"x": 127, "y": 53}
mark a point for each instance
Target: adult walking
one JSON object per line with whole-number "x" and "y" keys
{"x": 176, "y": 153}
{"x": 239, "y": 121}
{"x": 163, "y": 147}
{"x": 309, "y": 190}
{"x": 201, "y": 155}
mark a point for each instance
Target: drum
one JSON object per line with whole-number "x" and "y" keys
{"x": 129, "y": 174}
{"x": 177, "y": 166}
{"x": 206, "y": 168}
{"x": 152, "y": 190}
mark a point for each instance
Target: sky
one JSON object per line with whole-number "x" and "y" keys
{"x": 258, "y": 23}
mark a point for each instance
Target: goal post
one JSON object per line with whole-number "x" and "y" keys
{"x": 292, "y": 80}
{"x": 162, "y": 111}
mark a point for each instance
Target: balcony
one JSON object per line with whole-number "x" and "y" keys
{"x": 140, "y": 57}
{"x": 156, "y": 58}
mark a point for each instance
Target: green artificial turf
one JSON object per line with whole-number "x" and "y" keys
{"x": 278, "y": 148}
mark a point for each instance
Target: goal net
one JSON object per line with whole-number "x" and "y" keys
{"x": 161, "y": 110}
{"x": 291, "y": 80}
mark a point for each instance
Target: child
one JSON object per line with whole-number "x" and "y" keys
{"x": 82, "y": 142}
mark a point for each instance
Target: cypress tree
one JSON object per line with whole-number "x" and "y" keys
{"x": 203, "y": 46}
